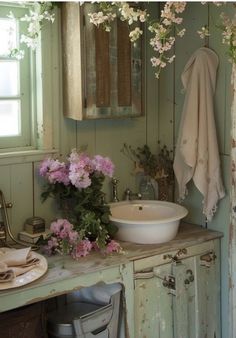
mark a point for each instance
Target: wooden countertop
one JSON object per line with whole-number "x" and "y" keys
{"x": 188, "y": 235}
{"x": 65, "y": 274}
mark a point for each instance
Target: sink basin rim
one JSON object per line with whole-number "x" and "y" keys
{"x": 181, "y": 211}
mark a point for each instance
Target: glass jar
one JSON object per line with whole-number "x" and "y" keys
{"x": 146, "y": 188}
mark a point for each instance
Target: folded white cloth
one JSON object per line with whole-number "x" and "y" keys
{"x": 197, "y": 155}
{"x": 15, "y": 262}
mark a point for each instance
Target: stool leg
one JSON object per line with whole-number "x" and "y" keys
{"x": 114, "y": 322}
{"x": 77, "y": 323}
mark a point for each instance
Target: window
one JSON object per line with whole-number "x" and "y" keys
{"x": 30, "y": 89}
{"x": 16, "y": 84}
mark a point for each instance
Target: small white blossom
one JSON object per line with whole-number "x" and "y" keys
{"x": 171, "y": 59}
{"x": 30, "y": 42}
{"x": 182, "y": 32}
{"x": 203, "y": 32}
{"x": 135, "y": 34}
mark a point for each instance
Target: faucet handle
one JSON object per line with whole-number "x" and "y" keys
{"x": 114, "y": 181}
{"x": 139, "y": 195}
{"x": 127, "y": 194}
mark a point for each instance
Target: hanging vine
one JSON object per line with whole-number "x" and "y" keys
{"x": 164, "y": 30}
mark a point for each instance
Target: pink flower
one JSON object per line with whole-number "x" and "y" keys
{"x": 104, "y": 165}
{"x": 73, "y": 236}
{"x": 54, "y": 171}
{"x": 82, "y": 249}
{"x": 95, "y": 246}
{"x": 60, "y": 175}
{"x": 45, "y": 166}
{"x": 61, "y": 227}
{"x": 51, "y": 246}
{"x": 79, "y": 177}
{"x": 113, "y": 246}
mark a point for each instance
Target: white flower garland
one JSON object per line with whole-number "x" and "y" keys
{"x": 162, "y": 29}
{"x": 39, "y": 13}
{"x": 162, "y": 40}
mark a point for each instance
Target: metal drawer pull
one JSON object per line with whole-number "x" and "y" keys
{"x": 176, "y": 258}
{"x": 144, "y": 275}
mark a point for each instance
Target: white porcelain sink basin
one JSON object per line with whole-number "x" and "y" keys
{"x": 146, "y": 222}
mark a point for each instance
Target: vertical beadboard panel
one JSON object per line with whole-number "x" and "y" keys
{"x": 164, "y": 299}
{"x": 110, "y": 137}
{"x": 153, "y": 306}
{"x": 22, "y": 193}
{"x": 180, "y": 303}
{"x": 223, "y": 92}
{"x": 166, "y": 106}
{"x": 5, "y": 181}
{"x": 5, "y": 186}
{"x": 151, "y": 87}
{"x": 220, "y": 222}
{"x": 208, "y": 290}
{"x": 48, "y": 209}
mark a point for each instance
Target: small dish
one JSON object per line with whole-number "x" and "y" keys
{"x": 28, "y": 277}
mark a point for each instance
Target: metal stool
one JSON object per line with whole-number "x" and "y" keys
{"x": 88, "y": 313}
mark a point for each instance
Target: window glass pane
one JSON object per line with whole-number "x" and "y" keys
{"x": 9, "y": 79}
{"x": 8, "y": 36}
{"x": 10, "y": 118}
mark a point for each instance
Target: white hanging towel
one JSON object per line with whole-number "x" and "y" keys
{"x": 197, "y": 155}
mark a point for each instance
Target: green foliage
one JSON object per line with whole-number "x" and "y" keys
{"x": 143, "y": 158}
{"x": 84, "y": 208}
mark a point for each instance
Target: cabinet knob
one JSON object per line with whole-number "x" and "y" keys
{"x": 176, "y": 258}
{"x": 190, "y": 277}
{"x": 208, "y": 258}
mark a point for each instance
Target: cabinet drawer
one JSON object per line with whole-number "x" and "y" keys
{"x": 149, "y": 262}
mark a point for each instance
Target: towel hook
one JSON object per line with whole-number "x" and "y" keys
{"x": 206, "y": 38}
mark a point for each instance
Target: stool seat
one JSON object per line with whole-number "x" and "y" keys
{"x": 79, "y": 320}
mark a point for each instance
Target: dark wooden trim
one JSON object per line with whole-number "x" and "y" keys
{"x": 102, "y": 68}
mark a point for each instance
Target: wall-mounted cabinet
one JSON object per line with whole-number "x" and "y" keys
{"x": 103, "y": 73}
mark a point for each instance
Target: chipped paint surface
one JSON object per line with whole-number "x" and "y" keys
{"x": 145, "y": 299}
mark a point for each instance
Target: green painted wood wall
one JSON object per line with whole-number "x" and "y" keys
{"x": 171, "y": 98}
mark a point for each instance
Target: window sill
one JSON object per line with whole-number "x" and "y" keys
{"x": 25, "y": 156}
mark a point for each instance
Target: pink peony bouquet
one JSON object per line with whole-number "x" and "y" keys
{"x": 65, "y": 240}
{"x": 77, "y": 186}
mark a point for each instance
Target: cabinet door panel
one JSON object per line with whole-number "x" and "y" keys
{"x": 208, "y": 289}
{"x": 184, "y": 306}
{"x": 180, "y": 299}
{"x": 153, "y": 306}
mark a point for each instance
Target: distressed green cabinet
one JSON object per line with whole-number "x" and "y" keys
{"x": 170, "y": 290}
{"x": 179, "y": 296}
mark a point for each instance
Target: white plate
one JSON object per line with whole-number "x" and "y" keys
{"x": 29, "y": 276}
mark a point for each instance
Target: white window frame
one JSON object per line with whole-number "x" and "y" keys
{"x": 47, "y": 105}
{"x": 26, "y": 138}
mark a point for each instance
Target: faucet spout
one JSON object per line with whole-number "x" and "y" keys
{"x": 129, "y": 195}
{"x": 114, "y": 183}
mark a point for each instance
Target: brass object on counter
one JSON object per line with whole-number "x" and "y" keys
{"x": 34, "y": 225}
{"x": 5, "y": 229}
